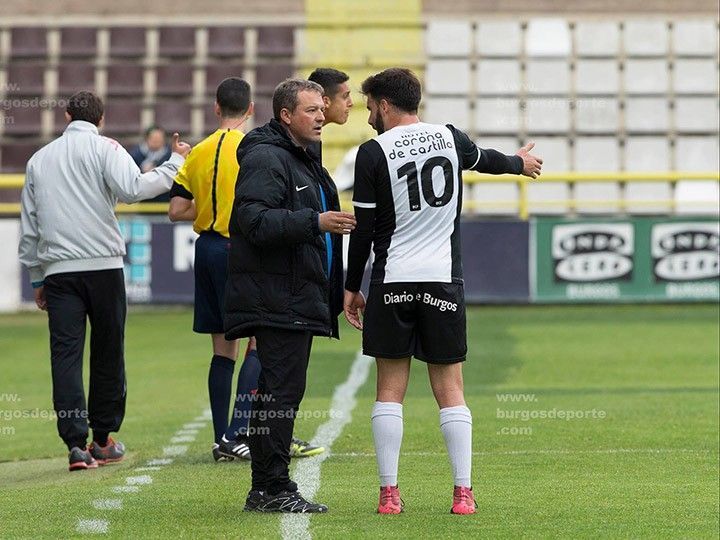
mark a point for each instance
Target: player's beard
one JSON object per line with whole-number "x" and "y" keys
{"x": 378, "y": 125}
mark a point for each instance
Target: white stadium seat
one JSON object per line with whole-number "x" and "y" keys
{"x": 693, "y": 76}
{"x": 448, "y": 38}
{"x": 597, "y": 115}
{"x": 696, "y": 114}
{"x": 547, "y": 77}
{"x": 597, "y": 154}
{"x": 597, "y": 77}
{"x": 695, "y": 37}
{"x": 497, "y": 115}
{"x": 647, "y": 115}
{"x": 645, "y": 37}
{"x": 455, "y": 111}
{"x": 548, "y": 37}
{"x": 498, "y": 77}
{"x": 597, "y": 38}
{"x": 448, "y": 77}
{"x": 646, "y": 77}
{"x": 498, "y": 38}
{"x": 547, "y": 115}
{"x": 647, "y": 154}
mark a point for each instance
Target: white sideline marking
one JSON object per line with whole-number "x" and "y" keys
{"x": 549, "y": 451}
{"x": 107, "y": 504}
{"x": 174, "y": 450}
{"x": 145, "y": 469}
{"x": 182, "y": 438}
{"x": 195, "y": 425}
{"x": 154, "y": 462}
{"x": 307, "y": 471}
{"x": 125, "y": 489}
{"x": 186, "y": 432}
{"x": 92, "y": 526}
{"x": 138, "y": 480}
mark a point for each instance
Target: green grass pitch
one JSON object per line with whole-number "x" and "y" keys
{"x": 642, "y": 461}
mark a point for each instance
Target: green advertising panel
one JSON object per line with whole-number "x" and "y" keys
{"x": 632, "y": 259}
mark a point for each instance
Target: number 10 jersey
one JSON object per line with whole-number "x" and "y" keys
{"x": 412, "y": 176}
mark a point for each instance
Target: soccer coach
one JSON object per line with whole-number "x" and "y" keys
{"x": 72, "y": 247}
{"x": 284, "y": 277}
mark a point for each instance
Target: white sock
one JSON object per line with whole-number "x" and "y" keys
{"x": 387, "y": 427}
{"x": 456, "y": 426}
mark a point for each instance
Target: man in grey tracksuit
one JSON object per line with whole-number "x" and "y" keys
{"x": 73, "y": 249}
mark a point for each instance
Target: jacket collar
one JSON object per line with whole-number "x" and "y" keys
{"x": 81, "y": 125}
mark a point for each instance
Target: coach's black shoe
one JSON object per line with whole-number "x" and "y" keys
{"x": 287, "y": 502}
{"x": 254, "y": 499}
{"x": 81, "y": 459}
{"x": 230, "y": 450}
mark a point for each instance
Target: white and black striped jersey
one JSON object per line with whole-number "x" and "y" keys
{"x": 408, "y": 198}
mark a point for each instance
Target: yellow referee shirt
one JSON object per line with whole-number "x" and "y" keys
{"x": 208, "y": 176}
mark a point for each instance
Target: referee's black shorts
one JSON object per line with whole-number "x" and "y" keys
{"x": 424, "y": 320}
{"x": 211, "y": 260}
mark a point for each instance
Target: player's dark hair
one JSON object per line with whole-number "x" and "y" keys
{"x": 399, "y": 86}
{"x": 330, "y": 79}
{"x": 286, "y": 94}
{"x": 233, "y": 97}
{"x": 85, "y": 106}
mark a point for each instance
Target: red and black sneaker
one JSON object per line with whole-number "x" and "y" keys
{"x": 81, "y": 459}
{"x": 112, "y": 452}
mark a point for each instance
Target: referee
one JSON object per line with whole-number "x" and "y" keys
{"x": 203, "y": 193}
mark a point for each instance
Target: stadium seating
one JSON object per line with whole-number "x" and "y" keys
{"x": 25, "y": 79}
{"x": 215, "y": 73}
{"x": 174, "y": 115}
{"x": 127, "y": 42}
{"x": 123, "y": 117}
{"x": 125, "y": 80}
{"x": 174, "y": 80}
{"x": 28, "y": 42}
{"x": 75, "y": 76}
{"x": 78, "y": 42}
{"x": 177, "y": 41}
{"x": 226, "y": 42}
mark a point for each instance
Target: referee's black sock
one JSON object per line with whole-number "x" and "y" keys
{"x": 220, "y": 387}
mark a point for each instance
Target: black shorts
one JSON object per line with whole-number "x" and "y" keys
{"x": 424, "y": 320}
{"x": 211, "y": 260}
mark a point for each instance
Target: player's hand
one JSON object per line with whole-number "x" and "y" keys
{"x": 354, "y": 306}
{"x": 180, "y": 147}
{"x": 531, "y": 164}
{"x": 337, "y": 222}
{"x": 40, "y": 298}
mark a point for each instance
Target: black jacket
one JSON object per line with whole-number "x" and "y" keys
{"x": 277, "y": 263}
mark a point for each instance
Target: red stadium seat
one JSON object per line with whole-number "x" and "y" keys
{"x": 15, "y": 155}
{"x": 28, "y": 42}
{"x": 177, "y": 41}
{"x": 25, "y": 79}
{"x": 175, "y": 80}
{"x": 226, "y": 42}
{"x": 127, "y": 42}
{"x": 211, "y": 121}
{"x": 174, "y": 115}
{"x": 75, "y": 76}
{"x": 276, "y": 41}
{"x": 268, "y": 76}
{"x": 263, "y": 110}
{"x": 80, "y": 42}
{"x": 125, "y": 80}
{"x": 122, "y": 117}
{"x": 23, "y": 121}
{"x": 216, "y": 73}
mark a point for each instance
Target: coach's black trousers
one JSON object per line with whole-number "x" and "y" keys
{"x": 284, "y": 358}
{"x": 72, "y": 298}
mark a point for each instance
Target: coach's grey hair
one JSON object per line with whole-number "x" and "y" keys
{"x": 286, "y": 94}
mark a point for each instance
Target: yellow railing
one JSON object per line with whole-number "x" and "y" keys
{"x": 521, "y": 204}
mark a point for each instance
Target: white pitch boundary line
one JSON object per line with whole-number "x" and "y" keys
{"x": 307, "y": 471}
{"x": 548, "y": 451}
{"x": 132, "y": 483}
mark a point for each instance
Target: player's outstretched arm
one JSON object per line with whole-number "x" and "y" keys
{"x": 531, "y": 164}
